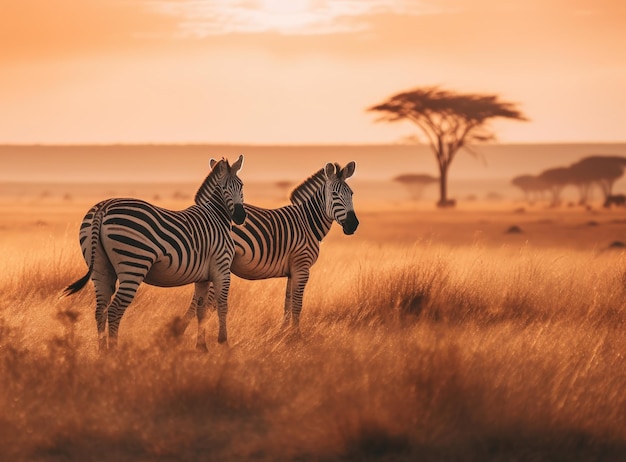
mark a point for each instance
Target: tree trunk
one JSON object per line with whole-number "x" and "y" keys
{"x": 443, "y": 188}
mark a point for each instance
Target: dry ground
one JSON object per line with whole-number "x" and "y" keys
{"x": 428, "y": 335}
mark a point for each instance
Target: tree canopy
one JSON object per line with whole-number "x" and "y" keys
{"x": 415, "y": 183}
{"x": 449, "y": 120}
{"x": 531, "y": 185}
{"x": 600, "y": 170}
{"x": 556, "y": 179}
{"x": 415, "y": 178}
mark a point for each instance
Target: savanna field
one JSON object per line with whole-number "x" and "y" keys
{"x": 431, "y": 335}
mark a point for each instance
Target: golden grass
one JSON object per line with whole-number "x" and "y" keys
{"x": 412, "y": 349}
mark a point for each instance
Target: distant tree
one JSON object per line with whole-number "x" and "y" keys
{"x": 532, "y": 186}
{"x": 556, "y": 179}
{"x": 450, "y": 121}
{"x": 581, "y": 178}
{"x": 415, "y": 183}
{"x": 284, "y": 186}
{"x": 617, "y": 199}
{"x": 601, "y": 170}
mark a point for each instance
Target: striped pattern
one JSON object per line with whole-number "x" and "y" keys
{"x": 129, "y": 241}
{"x": 285, "y": 242}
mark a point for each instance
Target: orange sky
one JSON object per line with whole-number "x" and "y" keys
{"x": 302, "y": 71}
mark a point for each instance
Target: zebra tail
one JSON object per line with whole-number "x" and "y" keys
{"x": 95, "y": 238}
{"x": 76, "y": 286}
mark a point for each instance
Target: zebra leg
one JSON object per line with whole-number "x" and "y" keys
{"x": 200, "y": 308}
{"x": 104, "y": 279}
{"x": 210, "y": 298}
{"x": 104, "y": 284}
{"x": 198, "y": 300}
{"x": 221, "y": 285}
{"x": 287, "y": 315}
{"x": 298, "y": 283}
{"x": 123, "y": 296}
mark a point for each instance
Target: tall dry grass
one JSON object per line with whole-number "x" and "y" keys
{"x": 422, "y": 352}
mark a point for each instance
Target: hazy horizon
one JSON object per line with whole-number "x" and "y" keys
{"x": 188, "y": 163}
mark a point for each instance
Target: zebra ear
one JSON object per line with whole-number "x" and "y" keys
{"x": 347, "y": 171}
{"x": 237, "y": 165}
{"x": 219, "y": 165}
{"x": 329, "y": 170}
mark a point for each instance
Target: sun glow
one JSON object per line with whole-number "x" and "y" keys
{"x": 285, "y": 15}
{"x": 203, "y": 18}
{"x": 285, "y": 6}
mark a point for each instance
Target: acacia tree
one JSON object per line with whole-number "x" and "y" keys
{"x": 556, "y": 179}
{"x": 450, "y": 121}
{"x": 532, "y": 186}
{"x": 415, "y": 183}
{"x": 601, "y": 170}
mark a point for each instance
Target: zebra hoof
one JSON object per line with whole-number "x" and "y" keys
{"x": 201, "y": 348}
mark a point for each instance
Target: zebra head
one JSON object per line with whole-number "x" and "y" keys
{"x": 232, "y": 187}
{"x": 339, "y": 196}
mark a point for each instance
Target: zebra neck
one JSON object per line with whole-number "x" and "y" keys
{"x": 216, "y": 202}
{"x": 210, "y": 196}
{"x": 208, "y": 189}
{"x": 315, "y": 211}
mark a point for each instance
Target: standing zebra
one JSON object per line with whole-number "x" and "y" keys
{"x": 132, "y": 241}
{"x": 285, "y": 242}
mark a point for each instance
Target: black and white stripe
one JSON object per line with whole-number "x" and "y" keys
{"x": 129, "y": 241}
{"x": 285, "y": 242}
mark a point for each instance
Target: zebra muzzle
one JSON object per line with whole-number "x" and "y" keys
{"x": 350, "y": 224}
{"x": 239, "y": 215}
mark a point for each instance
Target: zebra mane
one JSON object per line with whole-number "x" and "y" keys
{"x": 207, "y": 188}
{"x": 307, "y": 189}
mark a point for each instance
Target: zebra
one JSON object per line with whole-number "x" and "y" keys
{"x": 285, "y": 242}
{"x": 131, "y": 241}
